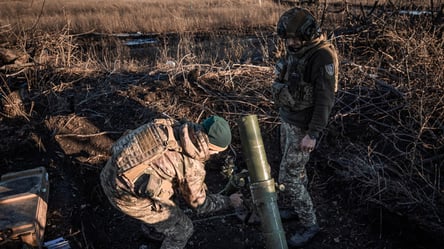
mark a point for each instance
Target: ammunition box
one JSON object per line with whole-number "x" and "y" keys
{"x": 23, "y": 206}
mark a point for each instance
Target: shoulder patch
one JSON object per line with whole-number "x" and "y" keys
{"x": 330, "y": 69}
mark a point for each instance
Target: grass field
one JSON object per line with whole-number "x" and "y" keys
{"x": 159, "y": 16}
{"x": 145, "y": 16}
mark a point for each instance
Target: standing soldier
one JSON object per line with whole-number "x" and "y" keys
{"x": 152, "y": 162}
{"x": 304, "y": 91}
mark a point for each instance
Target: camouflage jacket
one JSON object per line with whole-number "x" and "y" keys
{"x": 179, "y": 168}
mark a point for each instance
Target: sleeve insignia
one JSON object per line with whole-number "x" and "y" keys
{"x": 330, "y": 69}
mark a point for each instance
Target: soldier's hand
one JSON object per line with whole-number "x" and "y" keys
{"x": 236, "y": 200}
{"x": 307, "y": 144}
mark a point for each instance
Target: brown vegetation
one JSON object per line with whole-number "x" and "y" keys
{"x": 68, "y": 96}
{"x": 167, "y": 16}
{"x": 119, "y": 16}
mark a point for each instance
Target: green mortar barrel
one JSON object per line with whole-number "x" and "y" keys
{"x": 262, "y": 186}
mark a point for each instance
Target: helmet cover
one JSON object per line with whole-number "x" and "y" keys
{"x": 297, "y": 22}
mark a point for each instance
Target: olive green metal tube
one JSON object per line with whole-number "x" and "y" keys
{"x": 262, "y": 186}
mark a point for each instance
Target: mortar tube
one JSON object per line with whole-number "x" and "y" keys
{"x": 262, "y": 186}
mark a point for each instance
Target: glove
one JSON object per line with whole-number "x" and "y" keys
{"x": 236, "y": 200}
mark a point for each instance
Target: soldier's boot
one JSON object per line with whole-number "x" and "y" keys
{"x": 151, "y": 234}
{"x": 302, "y": 237}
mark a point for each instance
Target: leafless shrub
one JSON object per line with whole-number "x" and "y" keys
{"x": 12, "y": 103}
{"x": 387, "y": 128}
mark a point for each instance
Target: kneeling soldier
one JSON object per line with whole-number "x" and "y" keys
{"x": 151, "y": 162}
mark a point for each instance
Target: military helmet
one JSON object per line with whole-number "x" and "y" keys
{"x": 298, "y": 22}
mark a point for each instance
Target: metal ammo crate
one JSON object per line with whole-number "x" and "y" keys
{"x": 23, "y": 206}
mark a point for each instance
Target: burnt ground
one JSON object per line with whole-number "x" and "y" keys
{"x": 71, "y": 127}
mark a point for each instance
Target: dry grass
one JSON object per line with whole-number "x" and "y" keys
{"x": 155, "y": 16}
{"x": 117, "y": 16}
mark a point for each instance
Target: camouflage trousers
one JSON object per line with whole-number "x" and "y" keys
{"x": 293, "y": 175}
{"x": 162, "y": 215}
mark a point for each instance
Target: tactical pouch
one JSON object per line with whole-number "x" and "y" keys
{"x": 158, "y": 188}
{"x": 153, "y": 186}
{"x": 281, "y": 95}
{"x": 300, "y": 90}
{"x": 302, "y": 95}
